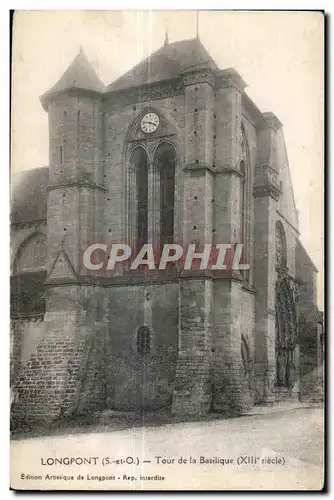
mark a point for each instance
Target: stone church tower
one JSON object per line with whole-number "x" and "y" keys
{"x": 172, "y": 151}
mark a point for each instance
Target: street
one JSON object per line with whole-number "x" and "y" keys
{"x": 269, "y": 450}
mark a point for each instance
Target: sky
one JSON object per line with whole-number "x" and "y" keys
{"x": 279, "y": 55}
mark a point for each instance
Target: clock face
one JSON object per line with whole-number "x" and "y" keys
{"x": 150, "y": 123}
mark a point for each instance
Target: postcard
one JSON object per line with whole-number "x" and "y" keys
{"x": 167, "y": 300}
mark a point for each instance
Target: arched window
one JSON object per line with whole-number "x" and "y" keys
{"x": 245, "y": 195}
{"x": 286, "y": 334}
{"x": 143, "y": 340}
{"x": 139, "y": 163}
{"x": 26, "y": 284}
{"x": 281, "y": 252}
{"x": 164, "y": 160}
{"x": 31, "y": 255}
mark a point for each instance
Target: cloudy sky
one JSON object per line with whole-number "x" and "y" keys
{"x": 279, "y": 55}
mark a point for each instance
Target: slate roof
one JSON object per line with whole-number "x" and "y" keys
{"x": 300, "y": 246}
{"x": 29, "y": 195}
{"x": 79, "y": 75}
{"x": 166, "y": 63}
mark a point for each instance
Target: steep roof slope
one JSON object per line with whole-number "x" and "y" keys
{"x": 286, "y": 204}
{"x": 166, "y": 63}
{"x": 79, "y": 75}
{"x": 29, "y": 195}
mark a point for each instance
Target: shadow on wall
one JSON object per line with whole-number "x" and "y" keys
{"x": 312, "y": 385}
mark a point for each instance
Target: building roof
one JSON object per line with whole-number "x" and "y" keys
{"x": 79, "y": 75}
{"x": 301, "y": 247}
{"x": 29, "y": 195}
{"x": 166, "y": 63}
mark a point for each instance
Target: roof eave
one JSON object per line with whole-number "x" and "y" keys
{"x": 53, "y": 94}
{"x": 253, "y": 110}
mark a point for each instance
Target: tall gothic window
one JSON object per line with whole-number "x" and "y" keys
{"x": 286, "y": 334}
{"x": 164, "y": 160}
{"x": 139, "y": 163}
{"x": 245, "y": 194}
{"x": 281, "y": 252}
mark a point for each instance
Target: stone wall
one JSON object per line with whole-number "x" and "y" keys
{"x": 136, "y": 381}
{"x": 308, "y": 316}
{"x": 24, "y": 337}
{"x": 265, "y": 205}
{"x": 233, "y": 322}
{"x": 62, "y": 374}
{"x": 193, "y": 390}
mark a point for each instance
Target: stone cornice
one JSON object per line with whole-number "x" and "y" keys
{"x": 27, "y": 317}
{"x": 271, "y": 121}
{"x": 230, "y": 78}
{"x": 267, "y": 182}
{"x": 199, "y": 76}
{"x": 162, "y": 89}
{"x": 79, "y": 184}
{"x": 144, "y": 93}
{"x": 169, "y": 88}
{"x": 266, "y": 190}
{"x": 72, "y": 92}
{"x": 223, "y": 169}
{"x": 152, "y": 277}
{"x": 227, "y": 170}
{"x": 50, "y": 282}
{"x": 28, "y": 223}
{"x": 199, "y": 167}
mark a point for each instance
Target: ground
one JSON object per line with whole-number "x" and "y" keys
{"x": 289, "y": 437}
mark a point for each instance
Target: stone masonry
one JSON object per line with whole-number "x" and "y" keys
{"x": 212, "y": 340}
